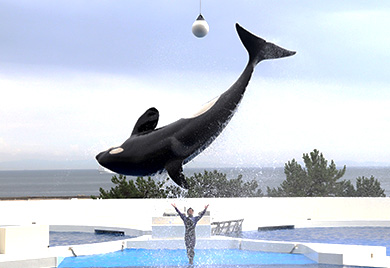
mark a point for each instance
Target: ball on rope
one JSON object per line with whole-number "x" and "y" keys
{"x": 200, "y": 27}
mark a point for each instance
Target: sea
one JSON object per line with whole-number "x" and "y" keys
{"x": 86, "y": 182}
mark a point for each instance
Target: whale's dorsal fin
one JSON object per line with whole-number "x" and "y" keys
{"x": 147, "y": 122}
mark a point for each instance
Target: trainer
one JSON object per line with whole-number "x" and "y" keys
{"x": 190, "y": 224}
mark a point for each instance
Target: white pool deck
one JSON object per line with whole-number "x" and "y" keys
{"x": 134, "y": 216}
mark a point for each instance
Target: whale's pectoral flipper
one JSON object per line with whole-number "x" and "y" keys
{"x": 175, "y": 171}
{"x": 147, "y": 122}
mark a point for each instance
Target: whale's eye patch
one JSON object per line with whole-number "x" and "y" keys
{"x": 116, "y": 150}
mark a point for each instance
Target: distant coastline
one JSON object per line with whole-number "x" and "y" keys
{"x": 90, "y": 164}
{"x": 82, "y": 183}
{"x": 26, "y": 198}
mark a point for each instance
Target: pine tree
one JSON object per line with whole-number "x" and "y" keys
{"x": 317, "y": 179}
{"x": 209, "y": 184}
{"x": 369, "y": 187}
{"x": 140, "y": 188}
{"x": 216, "y": 184}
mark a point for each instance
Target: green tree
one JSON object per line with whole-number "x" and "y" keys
{"x": 320, "y": 179}
{"x": 345, "y": 189}
{"x": 297, "y": 183}
{"x": 215, "y": 184}
{"x": 209, "y": 184}
{"x": 368, "y": 187}
{"x": 140, "y": 188}
{"x": 123, "y": 189}
{"x": 317, "y": 179}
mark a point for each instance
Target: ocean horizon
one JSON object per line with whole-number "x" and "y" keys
{"x": 86, "y": 182}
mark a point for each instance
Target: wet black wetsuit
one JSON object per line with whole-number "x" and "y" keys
{"x": 189, "y": 237}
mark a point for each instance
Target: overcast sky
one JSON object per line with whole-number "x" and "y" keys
{"x": 75, "y": 75}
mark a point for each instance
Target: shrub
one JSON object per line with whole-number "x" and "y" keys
{"x": 209, "y": 184}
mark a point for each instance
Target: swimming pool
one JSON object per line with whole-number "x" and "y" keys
{"x": 78, "y": 238}
{"x": 369, "y": 236}
{"x": 178, "y": 257}
{"x": 227, "y": 258}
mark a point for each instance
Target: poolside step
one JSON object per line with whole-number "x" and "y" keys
{"x": 272, "y": 228}
{"x": 112, "y": 232}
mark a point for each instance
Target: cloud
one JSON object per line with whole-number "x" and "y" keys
{"x": 278, "y": 121}
{"x": 3, "y": 145}
{"x": 74, "y": 115}
{"x": 75, "y": 76}
{"x": 47, "y": 114}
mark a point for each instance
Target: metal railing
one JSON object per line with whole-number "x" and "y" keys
{"x": 226, "y": 227}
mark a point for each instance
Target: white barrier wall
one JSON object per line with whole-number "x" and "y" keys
{"x": 256, "y": 212}
{"x": 136, "y": 213}
{"x": 27, "y": 238}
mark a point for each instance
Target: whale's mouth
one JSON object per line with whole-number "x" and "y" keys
{"x": 97, "y": 157}
{"x": 207, "y": 106}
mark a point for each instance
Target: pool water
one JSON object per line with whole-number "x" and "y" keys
{"x": 228, "y": 258}
{"x": 370, "y": 236}
{"x": 178, "y": 257}
{"x": 78, "y": 238}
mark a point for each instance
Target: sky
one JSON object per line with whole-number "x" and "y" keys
{"x": 75, "y": 75}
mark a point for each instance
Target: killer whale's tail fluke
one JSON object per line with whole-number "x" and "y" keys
{"x": 259, "y": 49}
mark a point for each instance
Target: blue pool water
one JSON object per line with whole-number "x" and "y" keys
{"x": 369, "y": 236}
{"x": 78, "y": 238}
{"x": 178, "y": 257}
{"x": 373, "y": 236}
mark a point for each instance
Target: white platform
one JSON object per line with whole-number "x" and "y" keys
{"x": 333, "y": 254}
{"x": 26, "y": 238}
{"x": 135, "y": 215}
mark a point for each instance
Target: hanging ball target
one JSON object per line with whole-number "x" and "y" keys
{"x": 200, "y": 28}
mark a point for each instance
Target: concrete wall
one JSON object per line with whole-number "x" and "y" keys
{"x": 32, "y": 238}
{"x": 137, "y": 213}
{"x": 351, "y": 255}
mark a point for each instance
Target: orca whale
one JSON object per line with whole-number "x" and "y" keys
{"x": 150, "y": 150}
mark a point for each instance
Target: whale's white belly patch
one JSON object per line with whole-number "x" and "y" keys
{"x": 207, "y": 106}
